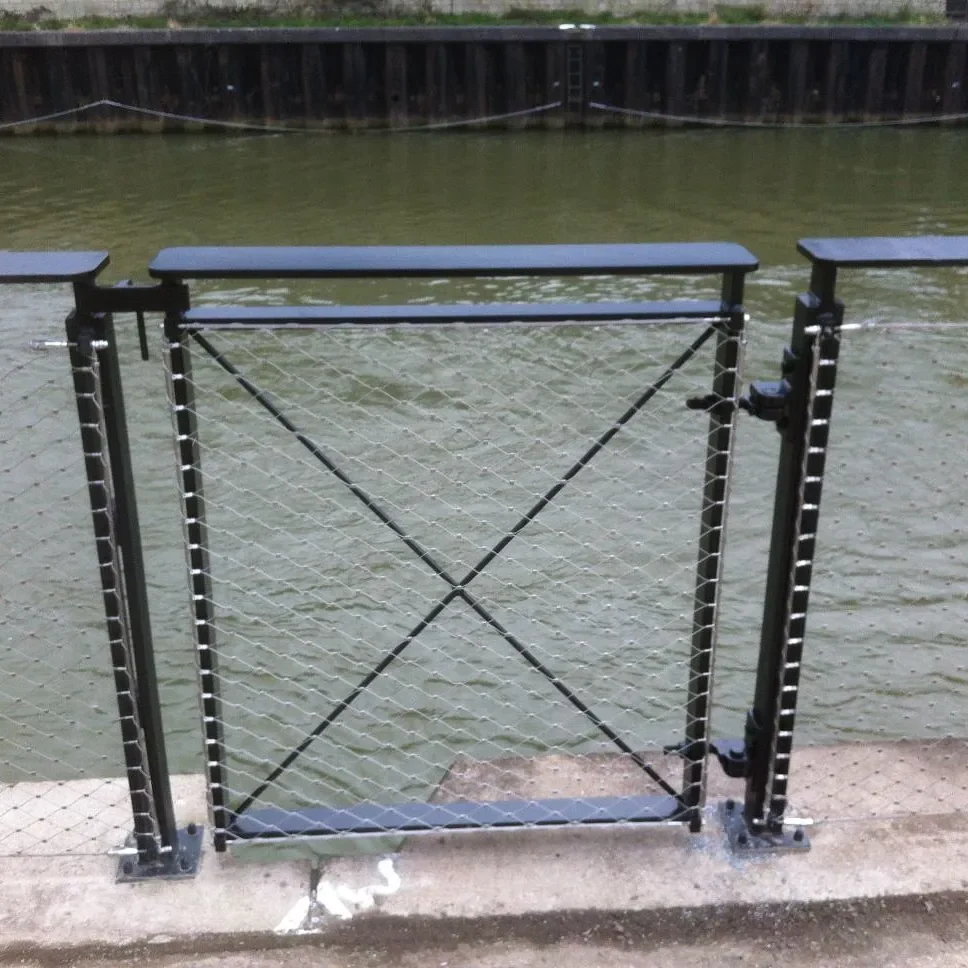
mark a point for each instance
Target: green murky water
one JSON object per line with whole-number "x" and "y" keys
{"x": 457, "y": 434}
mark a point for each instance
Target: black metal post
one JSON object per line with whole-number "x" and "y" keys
{"x": 86, "y": 337}
{"x": 162, "y": 850}
{"x": 188, "y": 456}
{"x": 712, "y": 536}
{"x": 135, "y": 584}
{"x": 810, "y": 369}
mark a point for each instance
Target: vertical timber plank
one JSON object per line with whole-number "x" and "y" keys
{"x": 266, "y": 81}
{"x": 757, "y": 87}
{"x": 59, "y": 79}
{"x": 797, "y": 80}
{"x": 917, "y": 55}
{"x": 354, "y": 83}
{"x": 876, "y": 72}
{"x": 954, "y": 78}
{"x": 9, "y": 110}
{"x": 395, "y": 88}
{"x": 675, "y": 99}
{"x": 636, "y": 96}
{"x": 129, "y": 84}
{"x": 230, "y": 82}
{"x": 190, "y": 94}
{"x": 836, "y": 80}
{"x": 18, "y": 69}
{"x": 516, "y": 82}
{"x": 594, "y": 80}
{"x": 100, "y": 118}
{"x": 143, "y": 84}
{"x": 717, "y": 66}
{"x": 436, "y": 74}
{"x": 555, "y": 84}
{"x": 478, "y": 86}
{"x": 313, "y": 84}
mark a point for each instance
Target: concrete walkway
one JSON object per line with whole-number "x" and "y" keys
{"x": 929, "y": 934}
{"x": 889, "y": 891}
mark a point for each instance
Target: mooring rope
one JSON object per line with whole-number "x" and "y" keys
{"x": 270, "y": 128}
{"x": 660, "y": 116}
{"x": 735, "y": 123}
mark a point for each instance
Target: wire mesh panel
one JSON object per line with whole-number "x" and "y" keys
{"x": 61, "y": 769}
{"x": 885, "y": 663}
{"x": 450, "y": 566}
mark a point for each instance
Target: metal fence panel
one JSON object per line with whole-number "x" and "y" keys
{"x": 885, "y": 663}
{"x": 584, "y": 618}
{"x": 61, "y": 768}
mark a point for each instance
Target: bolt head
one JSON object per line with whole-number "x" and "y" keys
{"x": 798, "y": 835}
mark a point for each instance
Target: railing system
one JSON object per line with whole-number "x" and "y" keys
{"x": 442, "y": 557}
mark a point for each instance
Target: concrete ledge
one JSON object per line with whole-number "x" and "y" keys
{"x": 537, "y": 886}
{"x": 620, "y": 886}
{"x": 206, "y": 36}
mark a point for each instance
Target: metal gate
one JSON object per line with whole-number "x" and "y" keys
{"x": 443, "y": 555}
{"x": 444, "y": 570}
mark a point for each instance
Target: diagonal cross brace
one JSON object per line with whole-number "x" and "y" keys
{"x": 458, "y": 589}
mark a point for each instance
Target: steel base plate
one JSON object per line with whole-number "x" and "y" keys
{"x": 181, "y": 864}
{"x": 744, "y": 841}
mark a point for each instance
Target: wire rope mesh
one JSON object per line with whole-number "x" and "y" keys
{"x": 454, "y": 433}
{"x": 61, "y": 769}
{"x": 885, "y": 664}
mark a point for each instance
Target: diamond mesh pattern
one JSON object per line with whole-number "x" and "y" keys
{"x": 889, "y": 587}
{"x": 58, "y": 714}
{"x": 450, "y": 431}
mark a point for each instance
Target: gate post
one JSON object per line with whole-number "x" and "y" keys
{"x": 159, "y": 849}
{"x": 801, "y": 405}
{"x": 712, "y": 533}
{"x": 188, "y": 457}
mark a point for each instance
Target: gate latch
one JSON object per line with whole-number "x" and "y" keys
{"x": 767, "y": 399}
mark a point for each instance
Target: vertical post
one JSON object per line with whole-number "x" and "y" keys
{"x": 188, "y": 457}
{"x": 810, "y": 368}
{"x": 135, "y": 584}
{"x": 712, "y": 536}
{"x": 162, "y": 849}
{"x": 87, "y": 343}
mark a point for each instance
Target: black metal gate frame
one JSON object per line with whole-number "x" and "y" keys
{"x": 800, "y": 404}
{"x": 723, "y": 318}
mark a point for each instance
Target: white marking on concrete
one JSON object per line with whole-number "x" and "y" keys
{"x": 336, "y": 898}
{"x": 338, "y": 901}
{"x": 328, "y": 897}
{"x": 295, "y": 917}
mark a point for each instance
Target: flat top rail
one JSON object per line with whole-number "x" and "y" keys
{"x": 442, "y": 261}
{"x": 472, "y": 313}
{"x": 886, "y": 251}
{"x": 50, "y": 266}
